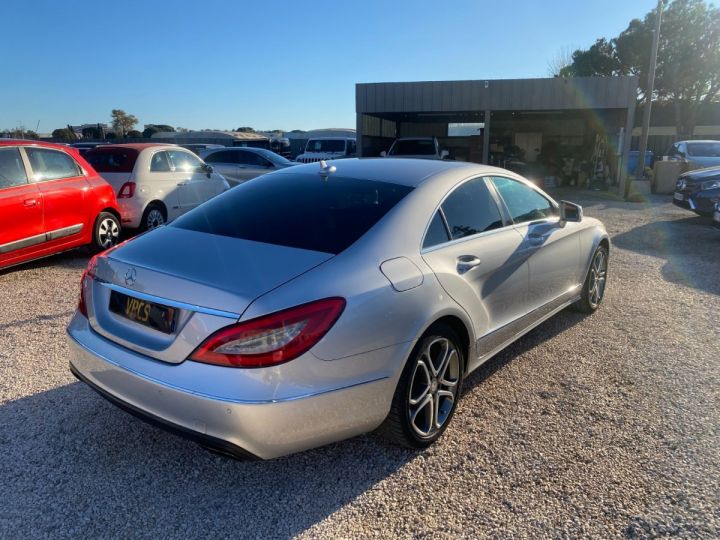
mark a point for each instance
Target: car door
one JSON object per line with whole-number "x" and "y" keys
{"x": 64, "y": 189}
{"x": 225, "y": 162}
{"x": 21, "y": 208}
{"x": 191, "y": 179}
{"x": 476, "y": 254}
{"x": 552, "y": 247}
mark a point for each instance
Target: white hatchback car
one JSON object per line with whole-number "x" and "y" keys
{"x": 155, "y": 183}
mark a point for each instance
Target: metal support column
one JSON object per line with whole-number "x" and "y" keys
{"x": 486, "y": 139}
{"x": 624, "y": 187}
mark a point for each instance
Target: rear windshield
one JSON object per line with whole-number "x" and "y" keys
{"x": 704, "y": 149}
{"x": 112, "y": 160}
{"x": 297, "y": 210}
{"x": 413, "y": 148}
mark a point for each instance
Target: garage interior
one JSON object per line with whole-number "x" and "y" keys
{"x": 571, "y": 130}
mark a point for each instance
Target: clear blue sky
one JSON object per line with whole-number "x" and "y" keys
{"x": 270, "y": 65}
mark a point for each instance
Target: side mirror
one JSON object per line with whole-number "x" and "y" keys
{"x": 444, "y": 154}
{"x": 383, "y": 154}
{"x": 570, "y": 211}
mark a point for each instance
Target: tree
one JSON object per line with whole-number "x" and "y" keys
{"x": 245, "y": 130}
{"x": 92, "y": 133}
{"x": 134, "y": 134}
{"x": 562, "y": 59}
{"x": 151, "y": 129}
{"x": 688, "y": 63}
{"x": 63, "y": 133}
{"x": 122, "y": 122}
{"x": 20, "y": 133}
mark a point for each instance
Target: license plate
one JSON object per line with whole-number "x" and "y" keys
{"x": 679, "y": 197}
{"x": 148, "y": 314}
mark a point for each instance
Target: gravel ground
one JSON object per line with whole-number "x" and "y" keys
{"x": 604, "y": 427}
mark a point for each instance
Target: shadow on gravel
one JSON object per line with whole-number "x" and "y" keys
{"x": 690, "y": 247}
{"x": 74, "y": 465}
{"x": 74, "y": 259}
{"x": 554, "y": 326}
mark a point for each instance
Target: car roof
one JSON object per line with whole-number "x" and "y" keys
{"x": 31, "y": 142}
{"x": 403, "y": 171}
{"x": 138, "y": 146}
{"x": 698, "y": 141}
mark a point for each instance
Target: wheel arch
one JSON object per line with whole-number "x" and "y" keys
{"x": 159, "y": 203}
{"x": 460, "y": 327}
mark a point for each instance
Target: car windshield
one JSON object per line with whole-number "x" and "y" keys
{"x": 325, "y": 145}
{"x": 297, "y": 210}
{"x": 272, "y": 156}
{"x": 704, "y": 149}
{"x": 413, "y": 147}
{"x": 112, "y": 160}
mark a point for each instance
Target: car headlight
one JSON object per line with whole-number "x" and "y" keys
{"x": 680, "y": 184}
{"x": 710, "y": 184}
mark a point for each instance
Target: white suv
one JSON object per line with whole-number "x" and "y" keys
{"x": 416, "y": 147}
{"x": 328, "y": 148}
{"x": 155, "y": 183}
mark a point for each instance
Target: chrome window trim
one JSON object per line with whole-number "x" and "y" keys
{"x": 168, "y": 302}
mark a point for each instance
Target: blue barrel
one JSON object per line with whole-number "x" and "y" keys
{"x": 633, "y": 155}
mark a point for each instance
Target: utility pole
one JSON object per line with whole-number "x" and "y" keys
{"x": 640, "y": 171}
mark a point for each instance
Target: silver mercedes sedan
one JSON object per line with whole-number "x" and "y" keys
{"x": 326, "y": 300}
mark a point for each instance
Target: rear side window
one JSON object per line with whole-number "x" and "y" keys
{"x": 523, "y": 203}
{"x": 437, "y": 232}
{"x": 112, "y": 160}
{"x": 12, "y": 170}
{"x": 224, "y": 156}
{"x": 160, "y": 162}
{"x": 470, "y": 209}
{"x": 253, "y": 159}
{"x": 50, "y": 164}
{"x": 297, "y": 210}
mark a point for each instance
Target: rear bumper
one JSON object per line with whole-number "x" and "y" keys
{"x": 130, "y": 213}
{"x": 259, "y": 428}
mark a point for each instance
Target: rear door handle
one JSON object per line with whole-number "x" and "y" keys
{"x": 30, "y": 202}
{"x": 465, "y": 263}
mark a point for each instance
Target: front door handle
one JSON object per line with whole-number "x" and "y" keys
{"x": 30, "y": 202}
{"x": 465, "y": 263}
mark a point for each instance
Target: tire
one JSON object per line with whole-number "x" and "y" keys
{"x": 106, "y": 232}
{"x": 595, "y": 282}
{"x": 413, "y": 419}
{"x": 154, "y": 216}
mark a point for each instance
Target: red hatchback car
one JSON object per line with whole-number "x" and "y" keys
{"x": 51, "y": 200}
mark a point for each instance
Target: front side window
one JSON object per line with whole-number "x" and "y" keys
{"x": 12, "y": 170}
{"x": 297, "y": 210}
{"x": 704, "y": 149}
{"x": 184, "y": 161}
{"x": 160, "y": 162}
{"x": 523, "y": 202}
{"x": 254, "y": 160}
{"x": 471, "y": 209}
{"x": 48, "y": 164}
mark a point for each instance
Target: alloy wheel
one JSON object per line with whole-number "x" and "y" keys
{"x": 108, "y": 233}
{"x": 155, "y": 218}
{"x": 598, "y": 277}
{"x": 433, "y": 387}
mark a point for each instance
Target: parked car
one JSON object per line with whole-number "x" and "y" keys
{"x": 327, "y": 148}
{"x": 51, "y": 200}
{"x": 155, "y": 183}
{"x": 416, "y": 147}
{"x": 197, "y": 148}
{"x": 698, "y": 190}
{"x": 320, "y": 302}
{"x": 239, "y": 164}
{"x": 84, "y": 147}
{"x": 700, "y": 153}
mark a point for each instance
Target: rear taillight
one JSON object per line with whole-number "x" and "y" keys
{"x": 271, "y": 339}
{"x": 127, "y": 190}
{"x": 85, "y": 281}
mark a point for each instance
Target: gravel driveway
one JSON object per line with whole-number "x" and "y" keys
{"x": 602, "y": 427}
